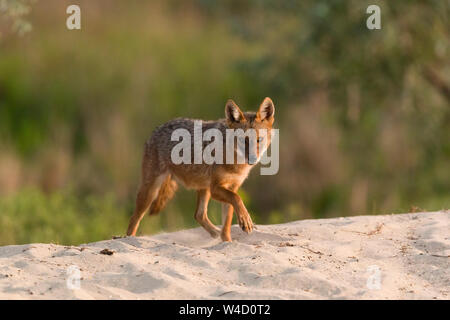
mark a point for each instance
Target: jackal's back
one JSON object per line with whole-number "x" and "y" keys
{"x": 160, "y": 146}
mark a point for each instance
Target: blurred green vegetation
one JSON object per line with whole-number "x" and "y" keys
{"x": 364, "y": 116}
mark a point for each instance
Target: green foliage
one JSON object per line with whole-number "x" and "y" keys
{"x": 31, "y": 216}
{"x": 15, "y": 11}
{"x": 61, "y": 217}
{"x": 364, "y": 115}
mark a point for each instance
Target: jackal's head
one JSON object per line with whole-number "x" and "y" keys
{"x": 256, "y": 128}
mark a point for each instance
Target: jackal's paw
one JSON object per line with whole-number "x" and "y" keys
{"x": 225, "y": 237}
{"x": 246, "y": 223}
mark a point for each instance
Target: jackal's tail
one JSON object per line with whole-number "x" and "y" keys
{"x": 166, "y": 192}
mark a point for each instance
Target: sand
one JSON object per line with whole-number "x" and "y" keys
{"x": 403, "y": 256}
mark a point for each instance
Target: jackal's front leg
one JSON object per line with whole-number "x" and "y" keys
{"x": 227, "y": 218}
{"x": 224, "y": 195}
{"x": 201, "y": 214}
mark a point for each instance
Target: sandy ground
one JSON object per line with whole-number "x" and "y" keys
{"x": 403, "y": 256}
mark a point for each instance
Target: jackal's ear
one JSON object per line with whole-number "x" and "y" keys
{"x": 232, "y": 112}
{"x": 266, "y": 110}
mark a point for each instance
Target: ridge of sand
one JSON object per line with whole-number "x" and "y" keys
{"x": 310, "y": 259}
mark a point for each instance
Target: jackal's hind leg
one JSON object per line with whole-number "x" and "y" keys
{"x": 201, "y": 213}
{"x": 147, "y": 193}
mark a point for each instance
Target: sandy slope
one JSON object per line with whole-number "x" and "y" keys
{"x": 333, "y": 258}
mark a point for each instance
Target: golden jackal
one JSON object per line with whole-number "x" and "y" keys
{"x": 217, "y": 180}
